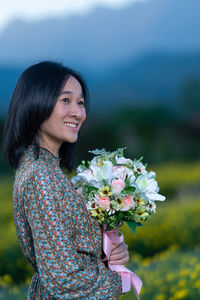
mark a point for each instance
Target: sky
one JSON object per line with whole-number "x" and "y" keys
{"x": 39, "y": 9}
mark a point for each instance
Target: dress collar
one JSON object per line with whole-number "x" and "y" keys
{"x": 44, "y": 154}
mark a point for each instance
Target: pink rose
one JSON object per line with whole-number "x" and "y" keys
{"x": 119, "y": 172}
{"x": 117, "y": 185}
{"x": 103, "y": 201}
{"x": 128, "y": 203}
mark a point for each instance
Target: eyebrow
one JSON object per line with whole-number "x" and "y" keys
{"x": 69, "y": 93}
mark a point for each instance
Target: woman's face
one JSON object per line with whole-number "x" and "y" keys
{"x": 67, "y": 117}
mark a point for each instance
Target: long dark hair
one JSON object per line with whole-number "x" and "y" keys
{"x": 32, "y": 102}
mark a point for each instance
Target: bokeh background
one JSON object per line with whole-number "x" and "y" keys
{"x": 141, "y": 60}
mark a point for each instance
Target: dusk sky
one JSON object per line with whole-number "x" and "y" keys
{"x": 38, "y": 9}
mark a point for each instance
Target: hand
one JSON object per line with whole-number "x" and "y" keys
{"x": 119, "y": 254}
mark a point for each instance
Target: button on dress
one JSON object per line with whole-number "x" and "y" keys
{"x": 58, "y": 237}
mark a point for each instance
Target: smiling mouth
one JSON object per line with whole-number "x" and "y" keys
{"x": 68, "y": 124}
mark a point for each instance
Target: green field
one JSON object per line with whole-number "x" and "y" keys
{"x": 165, "y": 253}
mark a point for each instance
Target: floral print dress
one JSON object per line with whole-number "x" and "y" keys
{"x": 57, "y": 235}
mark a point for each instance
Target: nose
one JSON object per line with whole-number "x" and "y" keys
{"x": 75, "y": 110}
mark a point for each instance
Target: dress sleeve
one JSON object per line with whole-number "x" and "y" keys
{"x": 64, "y": 272}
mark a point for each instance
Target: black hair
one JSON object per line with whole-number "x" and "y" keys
{"x": 32, "y": 102}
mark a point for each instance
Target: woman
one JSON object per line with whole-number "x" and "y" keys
{"x": 59, "y": 239}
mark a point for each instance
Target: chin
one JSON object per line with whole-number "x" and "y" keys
{"x": 72, "y": 140}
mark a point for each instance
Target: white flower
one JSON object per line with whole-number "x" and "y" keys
{"x": 153, "y": 189}
{"x": 96, "y": 184}
{"x": 142, "y": 183}
{"x": 151, "y": 206}
{"x": 94, "y": 161}
{"x": 115, "y": 205}
{"x": 149, "y": 187}
{"x": 139, "y": 168}
{"x": 125, "y": 173}
{"x": 102, "y": 173}
{"x": 96, "y": 174}
{"x": 132, "y": 179}
{"x": 129, "y": 172}
{"x": 75, "y": 179}
{"x": 87, "y": 175}
{"x": 151, "y": 175}
{"x": 80, "y": 169}
{"x": 155, "y": 196}
{"x": 122, "y": 160}
{"x": 111, "y": 211}
{"x": 91, "y": 205}
{"x": 152, "y": 186}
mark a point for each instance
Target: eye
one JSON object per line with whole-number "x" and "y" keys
{"x": 65, "y": 100}
{"x": 81, "y": 102}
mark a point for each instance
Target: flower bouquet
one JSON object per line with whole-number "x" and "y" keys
{"x": 117, "y": 189}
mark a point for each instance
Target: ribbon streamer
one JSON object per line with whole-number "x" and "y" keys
{"x": 127, "y": 276}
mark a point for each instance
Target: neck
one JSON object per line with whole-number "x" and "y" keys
{"x": 52, "y": 147}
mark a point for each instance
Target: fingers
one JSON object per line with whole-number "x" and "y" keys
{"x": 119, "y": 255}
{"x": 119, "y": 248}
{"x": 115, "y": 246}
{"x": 121, "y": 261}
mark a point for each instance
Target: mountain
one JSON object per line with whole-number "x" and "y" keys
{"x": 157, "y": 78}
{"x": 141, "y": 54}
{"x": 105, "y": 36}
{"x": 8, "y": 80}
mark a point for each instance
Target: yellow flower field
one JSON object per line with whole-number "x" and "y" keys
{"x": 165, "y": 253}
{"x": 171, "y": 275}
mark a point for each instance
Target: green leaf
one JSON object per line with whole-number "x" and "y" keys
{"x": 112, "y": 159}
{"x": 120, "y": 216}
{"x": 132, "y": 225}
{"x": 139, "y": 224}
{"x": 127, "y": 182}
{"x": 91, "y": 188}
{"x": 130, "y": 189}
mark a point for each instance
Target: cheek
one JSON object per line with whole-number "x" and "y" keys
{"x": 83, "y": 115}
{"x": 50, "y": 125}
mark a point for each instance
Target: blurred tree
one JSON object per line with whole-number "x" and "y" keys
{"x": 157, "y": 133}
{"x": 190, "y": 102}
{"x": 190, "y": 95}
{"x": 4, "y": 167}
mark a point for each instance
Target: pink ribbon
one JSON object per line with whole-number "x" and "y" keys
{"x": 127, "y": 276}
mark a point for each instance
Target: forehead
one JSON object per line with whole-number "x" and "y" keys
{"x": 72, "y": 85}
